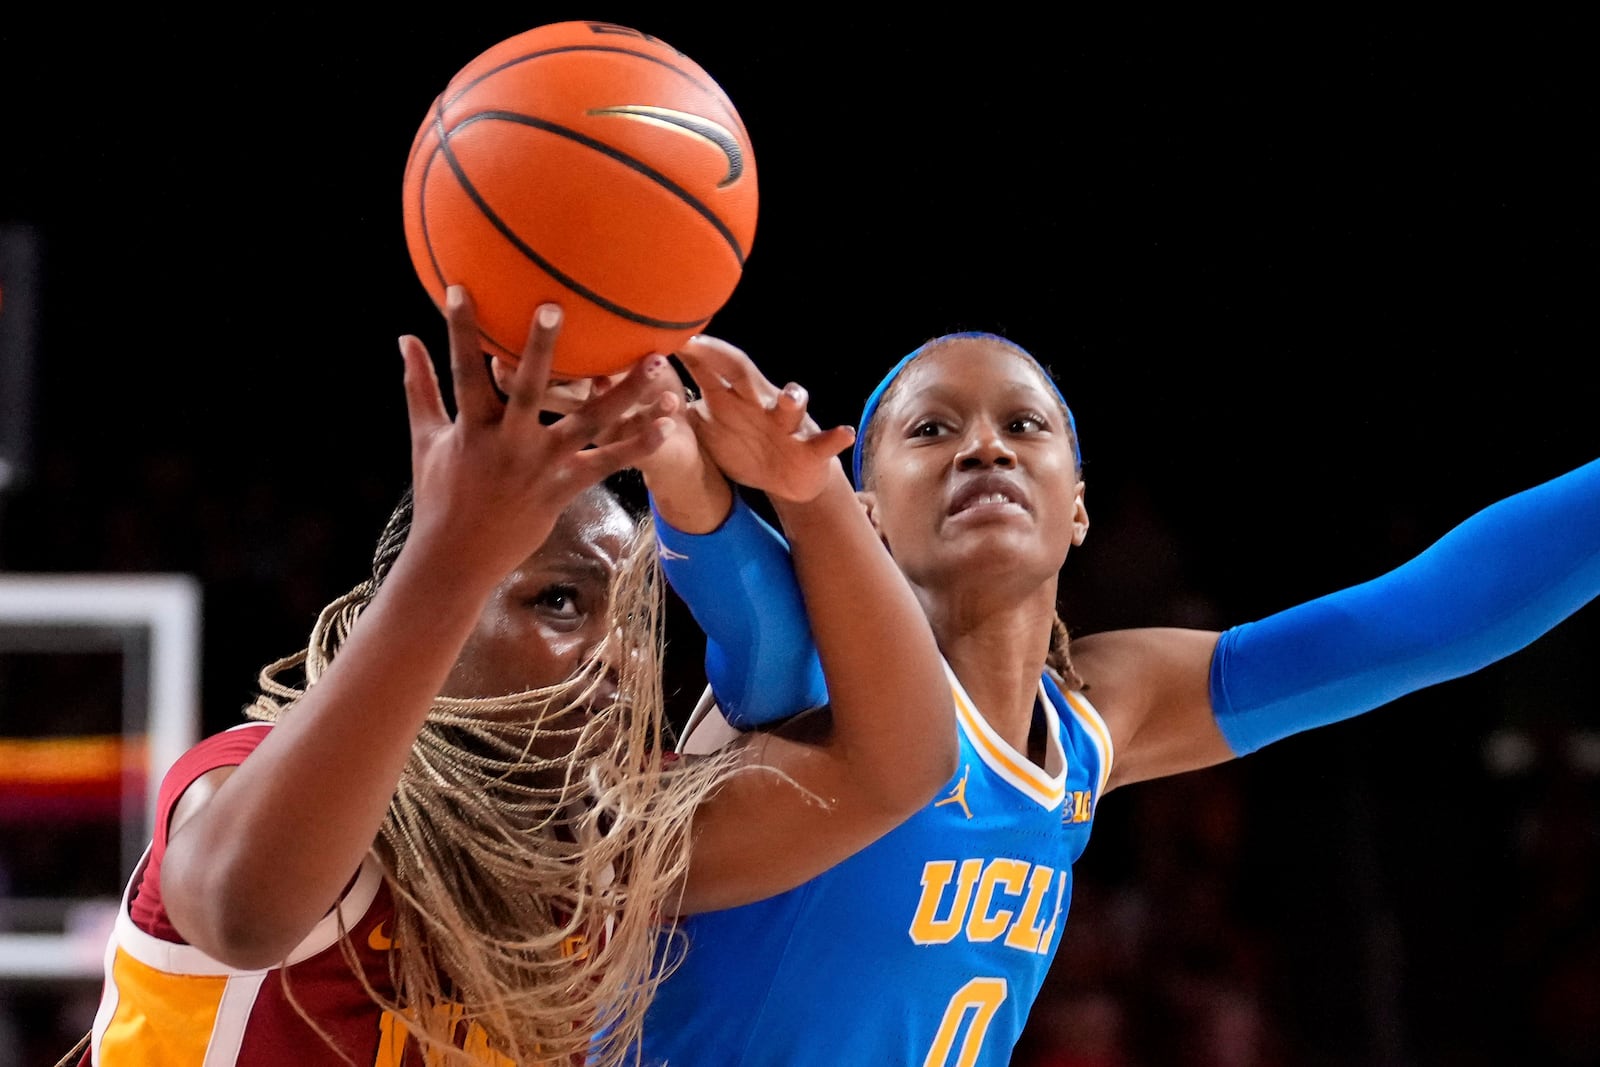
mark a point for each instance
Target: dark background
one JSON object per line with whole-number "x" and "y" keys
{"x": 1316, "y": 289}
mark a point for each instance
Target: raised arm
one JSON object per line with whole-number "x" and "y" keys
{"x": 828, "y": 784}
{"x": 733, "y": 572}
{"x": 1486, "y": 589}
{"x": 262, "y": 851}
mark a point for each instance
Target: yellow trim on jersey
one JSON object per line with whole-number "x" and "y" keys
{"x": 1097, "y": 729}
{"x": 160, "y": 1018}
{"x": 148, "y": 979}
{"x": 1030, "y": 779}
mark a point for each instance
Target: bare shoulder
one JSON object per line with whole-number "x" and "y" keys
{"x": 1151, "y": 685}
{"x": 199, "y": 793}
{"x": 1113, "y": 661}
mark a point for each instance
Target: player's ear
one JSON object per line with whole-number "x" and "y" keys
{"x": 1080, "y": 517}
{"x": 869, "y": 503}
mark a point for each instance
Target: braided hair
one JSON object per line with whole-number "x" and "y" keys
{"x": 527, "y": 889}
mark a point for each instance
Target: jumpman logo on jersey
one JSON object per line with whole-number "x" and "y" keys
{"x": 958, "y": 795}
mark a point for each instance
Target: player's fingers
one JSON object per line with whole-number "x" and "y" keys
{"x": 714, "y": 363}
{"x": 531, "y": 377}
{"x": 601, "y": 383}
{"x": 666, "y": 404}
{"x": 501, "y": 370}
{"x": 832, "y": 442}
{"x": 566, "y": 394}
{"x": 475, "y": 397}
{"x": 677, "y": 382}
{"x": 643, "y": 383}
{"x": 629, "y": 450}
{"x": 789, "y": 408}
{"x": 424, "y": 405}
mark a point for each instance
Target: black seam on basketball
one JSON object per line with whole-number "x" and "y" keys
{"x": 422, "y": 192}
{"x": 422, "y": 214}
{"x": 713, "y": 89}
{"x": 708, "y": 85}
{"x": 545, "y": 265}
{"x": 438, "y": 272}
{"x": 734, "y": 151}
{"x": 586, "y": 141}
{"x": 550, "y": 268}
{"x": 422, "y": 220}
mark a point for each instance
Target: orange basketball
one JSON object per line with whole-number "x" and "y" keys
{"x": 591, "y": 165}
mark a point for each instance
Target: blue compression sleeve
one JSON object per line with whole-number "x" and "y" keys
{"x": 1486, "y": 589}
{"x": 738, "y": 582}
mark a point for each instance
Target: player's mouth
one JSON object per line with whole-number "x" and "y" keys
{"x": 601, "y": 698}
{"x": 988, "y": 494}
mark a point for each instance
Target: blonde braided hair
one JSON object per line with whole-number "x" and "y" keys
{"x": 528, "y": 890}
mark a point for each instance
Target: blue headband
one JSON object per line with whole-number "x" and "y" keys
{"x": 871, "y": 407}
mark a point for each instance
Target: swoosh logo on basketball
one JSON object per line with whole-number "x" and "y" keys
{"x": 379, "y": 941}
{"x": 717, "y": 134}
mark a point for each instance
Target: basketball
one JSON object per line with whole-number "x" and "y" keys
{"x": 591, "y": 165}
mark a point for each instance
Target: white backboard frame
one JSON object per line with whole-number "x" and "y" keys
{"x": 167, "y": 609}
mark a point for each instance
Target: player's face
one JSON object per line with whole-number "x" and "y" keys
{"x": 551, "y": 612}
{"x": 972, "y": 471}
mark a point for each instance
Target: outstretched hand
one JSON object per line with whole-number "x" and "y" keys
{"x": 678, "y": 460}
{"x": 492, "y": 481}
{"x": 761, "y": 436}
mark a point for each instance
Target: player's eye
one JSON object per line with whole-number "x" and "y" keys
{"x": 559, "y": 602}
{"x": 1027, "y": 423}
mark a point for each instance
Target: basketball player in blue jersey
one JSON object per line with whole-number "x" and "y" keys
{"x": 928, "y": 944}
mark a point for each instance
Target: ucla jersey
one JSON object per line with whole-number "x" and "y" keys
{"x": 927, "y": 947}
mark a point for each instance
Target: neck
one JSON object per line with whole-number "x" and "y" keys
{"x": 998, "y": 651}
